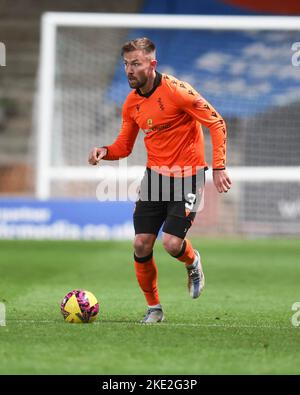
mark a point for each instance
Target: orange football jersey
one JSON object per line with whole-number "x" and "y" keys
{"x": 170, "y": 116}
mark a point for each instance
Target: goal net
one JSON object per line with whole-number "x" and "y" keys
{"x": 242, "y": 65}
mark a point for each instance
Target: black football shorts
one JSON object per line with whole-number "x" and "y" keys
{"x": 169, "y": 201}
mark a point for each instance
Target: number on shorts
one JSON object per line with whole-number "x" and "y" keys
{"x": 191, "y": 197}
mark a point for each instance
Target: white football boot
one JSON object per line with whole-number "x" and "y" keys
{"x": 153, "y": 316}
{"x": 196, "y": 280}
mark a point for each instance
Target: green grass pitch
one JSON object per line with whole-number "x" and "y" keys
{"x": 240, "y": 325}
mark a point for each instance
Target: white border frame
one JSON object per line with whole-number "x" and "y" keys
{"x": 50, "y": 22}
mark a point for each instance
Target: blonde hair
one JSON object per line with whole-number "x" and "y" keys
{"x": 142, "y": 44}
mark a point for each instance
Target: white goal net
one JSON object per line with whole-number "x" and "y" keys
{"x": 244, "y": 66}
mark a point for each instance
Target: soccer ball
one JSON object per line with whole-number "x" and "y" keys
{"x": 79, "y": 306}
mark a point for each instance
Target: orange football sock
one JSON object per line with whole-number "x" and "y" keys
{"x": 187, "y": 254}
{"x": 146, "y": 274}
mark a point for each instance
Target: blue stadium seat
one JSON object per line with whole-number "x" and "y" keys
{"x": 252, "y": 70}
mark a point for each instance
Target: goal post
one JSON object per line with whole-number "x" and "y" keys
{"x": 77, "y": 49}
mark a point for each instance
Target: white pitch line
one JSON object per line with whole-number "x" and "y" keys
{"x": 230, "y": 326}
{"x": 161, "y": 325}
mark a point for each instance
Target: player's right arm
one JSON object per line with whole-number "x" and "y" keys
{"x": 123, "y": 144}
{"x": 96, "y": 155}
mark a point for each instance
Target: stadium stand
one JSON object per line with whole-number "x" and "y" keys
{"x": 20, "y": 31}
{"x": 223, "y": 7}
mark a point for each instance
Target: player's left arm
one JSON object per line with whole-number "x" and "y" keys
{"x": 199, "y": 108}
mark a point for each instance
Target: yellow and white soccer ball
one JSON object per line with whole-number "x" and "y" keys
{"x": 79, "y": 307}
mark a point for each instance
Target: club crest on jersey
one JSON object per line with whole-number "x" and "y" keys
{"x": 150, "y": 122}
{"x": 149, "y": 125}
{"x": 157, "y": 128}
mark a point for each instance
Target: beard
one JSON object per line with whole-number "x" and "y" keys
{"x": 136, "y": 84}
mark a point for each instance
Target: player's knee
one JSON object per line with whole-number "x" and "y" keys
{"x": 143, "y": 245}
{"x": 172, "y": 245}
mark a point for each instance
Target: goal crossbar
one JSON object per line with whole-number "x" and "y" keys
{"x": 164, "y": 21}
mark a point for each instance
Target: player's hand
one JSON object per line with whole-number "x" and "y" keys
{"x": 96, "y": 155}
{"x": 221, "y": 180}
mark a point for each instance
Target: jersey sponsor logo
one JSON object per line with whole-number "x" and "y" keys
{"x": 157, "y": 128}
